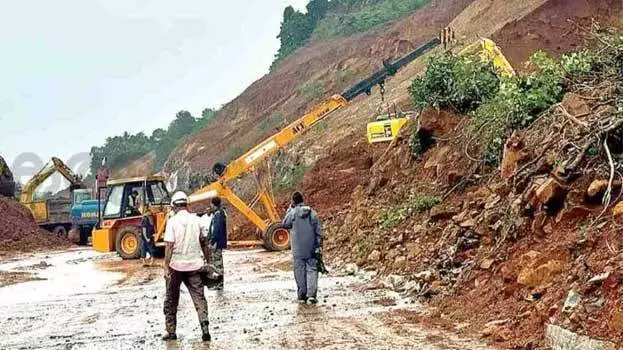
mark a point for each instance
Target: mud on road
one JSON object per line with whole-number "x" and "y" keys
{"x": 87, "y": 300}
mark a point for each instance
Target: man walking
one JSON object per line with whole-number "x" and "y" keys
{"x": 218, "y": 239}
{"x": 306, "y": 240}
{"x": 185, "y": 251}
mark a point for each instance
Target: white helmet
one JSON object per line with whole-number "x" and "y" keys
{"x": 179, "y": 199}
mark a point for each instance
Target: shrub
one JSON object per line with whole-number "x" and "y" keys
{"x": 460, "y": 83}
{"x": 519, "y": 101}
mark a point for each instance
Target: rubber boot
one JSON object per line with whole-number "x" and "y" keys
{"x": 205, "y": 330}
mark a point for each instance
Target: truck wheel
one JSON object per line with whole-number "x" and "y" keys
{"x": 74, "y": 234}
{"x": 276, "y": 237}
{"x": 127, "y": 243}
{"x": 60, "y": 231}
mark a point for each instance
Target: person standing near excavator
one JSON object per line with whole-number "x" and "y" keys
{"x": 306, "y": 237}
{"x": 218, "y": 239}
{"x": 186, "y": 251}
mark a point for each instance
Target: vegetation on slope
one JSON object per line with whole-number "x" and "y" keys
{"x": 120, "y": 150}
{"x": 326, "y": 19}
{"x": 497, "y": 106}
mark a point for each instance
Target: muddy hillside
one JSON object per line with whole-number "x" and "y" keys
{"x": 523, "y": 249}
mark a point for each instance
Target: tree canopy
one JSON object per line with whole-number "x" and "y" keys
{"x": 119, "y": 150}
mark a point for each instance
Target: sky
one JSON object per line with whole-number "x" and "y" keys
{"x": 74, "y": 72}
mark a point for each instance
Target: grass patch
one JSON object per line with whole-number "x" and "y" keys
{"x": 365, "y": 18}
{"x": 271, "y": 121}
{"x": 394, "y": 216}
{"x": 291, "y": 179}
{"x": 311, "y": 91}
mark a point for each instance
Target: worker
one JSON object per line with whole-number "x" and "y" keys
{"x": 134, "y": 204}
{"x": 218, "y": 239}
{"x": 147, "y": 234}
{"x": 186, "y": 252}
{"x": 306, "y": 241}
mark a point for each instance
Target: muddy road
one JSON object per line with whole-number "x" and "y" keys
{"x": 83, "y": 300}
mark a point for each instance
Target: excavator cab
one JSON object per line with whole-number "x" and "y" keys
{"x": 127, "y": 201}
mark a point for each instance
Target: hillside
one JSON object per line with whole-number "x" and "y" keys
{"x": 356, "y": 187}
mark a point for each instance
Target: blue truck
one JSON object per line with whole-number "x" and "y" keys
{"x": 84, "y": 216}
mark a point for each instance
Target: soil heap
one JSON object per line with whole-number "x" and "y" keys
{"x": 20, "y": 233}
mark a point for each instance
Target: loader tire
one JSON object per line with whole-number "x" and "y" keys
{"x": 276, "y": 238}
{"x": 127, "y": 243}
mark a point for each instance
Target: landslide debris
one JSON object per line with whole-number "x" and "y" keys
{"x": 20, "y": 233}
{"x": 509, "y": 216}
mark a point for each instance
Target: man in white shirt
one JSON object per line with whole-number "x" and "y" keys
{"x": 186, "y": 252}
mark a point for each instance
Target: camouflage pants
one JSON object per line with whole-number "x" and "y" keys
{"x": 217, "y": 260}
{"x": 194, "y": 284}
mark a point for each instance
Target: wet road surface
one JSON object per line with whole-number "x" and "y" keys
{"x": 96, "y": 301}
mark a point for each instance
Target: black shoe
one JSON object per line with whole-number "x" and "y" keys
{"x": 170, "y": 336}
{"x": 313, "y": 300}
{"x": 205, "y": 331}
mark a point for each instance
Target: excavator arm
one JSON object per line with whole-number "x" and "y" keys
{"x": 50, "y": 168}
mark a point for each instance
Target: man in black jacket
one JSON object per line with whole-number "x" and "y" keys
{"x": 218, "y": 238}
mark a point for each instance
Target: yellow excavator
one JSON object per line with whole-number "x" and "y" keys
{"x": 54, "y": 214}
{"x": 386, "y": 127}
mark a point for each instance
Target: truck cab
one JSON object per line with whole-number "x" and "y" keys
{"x": 127, "y": 201}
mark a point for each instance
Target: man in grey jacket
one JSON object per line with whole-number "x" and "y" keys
{"x": 306, "y": 240}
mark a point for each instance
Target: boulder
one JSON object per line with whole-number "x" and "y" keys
{"x": 443, "y": 212}
{"x": 551, "y": 193}
{"x": 400, "y": 262}
{"x": 351, "y": 269}
{"x": 615, "y": 323}
{"x": 436, "y": 123}
{"x": 575, "y": 105}
{"x": 543, "y": 274}
{"x": 374, "y": 256}
{"x": 511, "y": 156}
{"x": 572, "y": 301}
{"x": 617, "y": 212}
{"x": 437, "y": 157}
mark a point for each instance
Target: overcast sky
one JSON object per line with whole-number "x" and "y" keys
{"x": 73, "y": 72}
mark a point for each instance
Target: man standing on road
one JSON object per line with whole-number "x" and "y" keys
{"x": 185, "y": 251}
{"x": 306, "y": 240}
{"x": 218, "y": 239}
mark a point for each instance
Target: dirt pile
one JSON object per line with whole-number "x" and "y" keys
{"x": 20, "y": 233}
